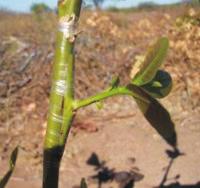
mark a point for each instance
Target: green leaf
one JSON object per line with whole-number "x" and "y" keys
{"x": 115, "y": 82}
{"x": 156, "y": 114}
{"x": 153, "y": 60}
{"x": 12, "y": 162}
{"x": 83, "y": 184}
{"x": 160, "y": 86}
{"x": 99, "y": 105}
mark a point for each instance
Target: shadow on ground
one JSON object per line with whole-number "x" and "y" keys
{"x": 104, "y": 174}
{"x": 174, "y": 154}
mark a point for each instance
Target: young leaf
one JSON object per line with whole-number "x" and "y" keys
{"x": 160, "y": 86}
{"x": 115, "y": 82}
{"x": 156, "y": 115}
{"x": 99, "y": 105}
{"x": 12, "y": 162}
{"x": 83, "y": 184}
{"x": 153, "y": 60}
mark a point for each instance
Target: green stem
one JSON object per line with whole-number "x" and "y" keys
{"x": 62, "y": 93}
{"x": 106, "y": 94}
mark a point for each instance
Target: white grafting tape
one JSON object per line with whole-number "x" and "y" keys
{"x": 56, "y": 118}
{"x": 60, "y": 87}
{"x": 68, "y": 25}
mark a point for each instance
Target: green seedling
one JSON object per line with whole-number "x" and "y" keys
{"x": 148, "y": 84}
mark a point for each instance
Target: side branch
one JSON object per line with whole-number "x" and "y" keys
{"x": 104, "y": 95}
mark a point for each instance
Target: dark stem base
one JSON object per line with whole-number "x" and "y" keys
{"x": 51, "y": 165}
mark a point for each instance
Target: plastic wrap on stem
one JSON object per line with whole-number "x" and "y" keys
{"x": 55, "y": 117}
{"x": 68, "y": 26}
